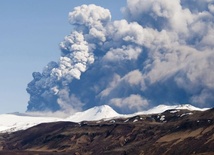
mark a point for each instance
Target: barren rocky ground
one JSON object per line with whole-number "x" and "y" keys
{"x": 172, "y": 132}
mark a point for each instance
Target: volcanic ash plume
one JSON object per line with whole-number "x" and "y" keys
{"x": 160, "y": 53}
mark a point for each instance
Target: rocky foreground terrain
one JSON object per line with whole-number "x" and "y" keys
{"x": 173, "y": 132}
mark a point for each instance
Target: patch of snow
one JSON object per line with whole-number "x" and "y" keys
{"x": 112, "y": 121}
{"x": 162, "y": 118}
{"x": 135, "y": 120}
{"x": 189, "y": 113}
{"x": 126, "y": 120}
{"x": 174, "y": 111}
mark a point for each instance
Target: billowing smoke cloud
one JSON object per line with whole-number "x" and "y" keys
{"x": 160, "y": 53}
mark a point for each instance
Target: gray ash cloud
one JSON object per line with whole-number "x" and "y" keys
{"x": 160, "y": 53}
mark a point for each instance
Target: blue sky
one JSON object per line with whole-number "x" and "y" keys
{"x": 30, "y": 33}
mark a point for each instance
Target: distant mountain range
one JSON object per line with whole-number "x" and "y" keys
{"x": 20, "y": 121}
{"x": 167, "y": 130}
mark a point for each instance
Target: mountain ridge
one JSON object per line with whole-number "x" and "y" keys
{"x": 171, "y": 132}
{"x": 19, "y": 121}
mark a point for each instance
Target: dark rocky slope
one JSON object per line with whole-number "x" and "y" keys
{"x": 172, "y": 132}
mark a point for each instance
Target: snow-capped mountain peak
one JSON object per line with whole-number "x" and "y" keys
{"x": 95, "y": 113}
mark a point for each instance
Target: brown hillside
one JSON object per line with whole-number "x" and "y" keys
{"x": 172, "y": 132}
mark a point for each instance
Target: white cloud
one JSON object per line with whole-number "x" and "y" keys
{"x": 132, "y": 103}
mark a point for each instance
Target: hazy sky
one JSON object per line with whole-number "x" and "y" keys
{"x": 30, "y": 33}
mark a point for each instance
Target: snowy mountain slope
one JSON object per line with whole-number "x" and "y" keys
{"x": 162, "y": 108}
{"x": 167, "y": 133}
{"x": 96, "y": 113}
{"x": 15, "y": 122}
{"x": 12, "y": 122}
